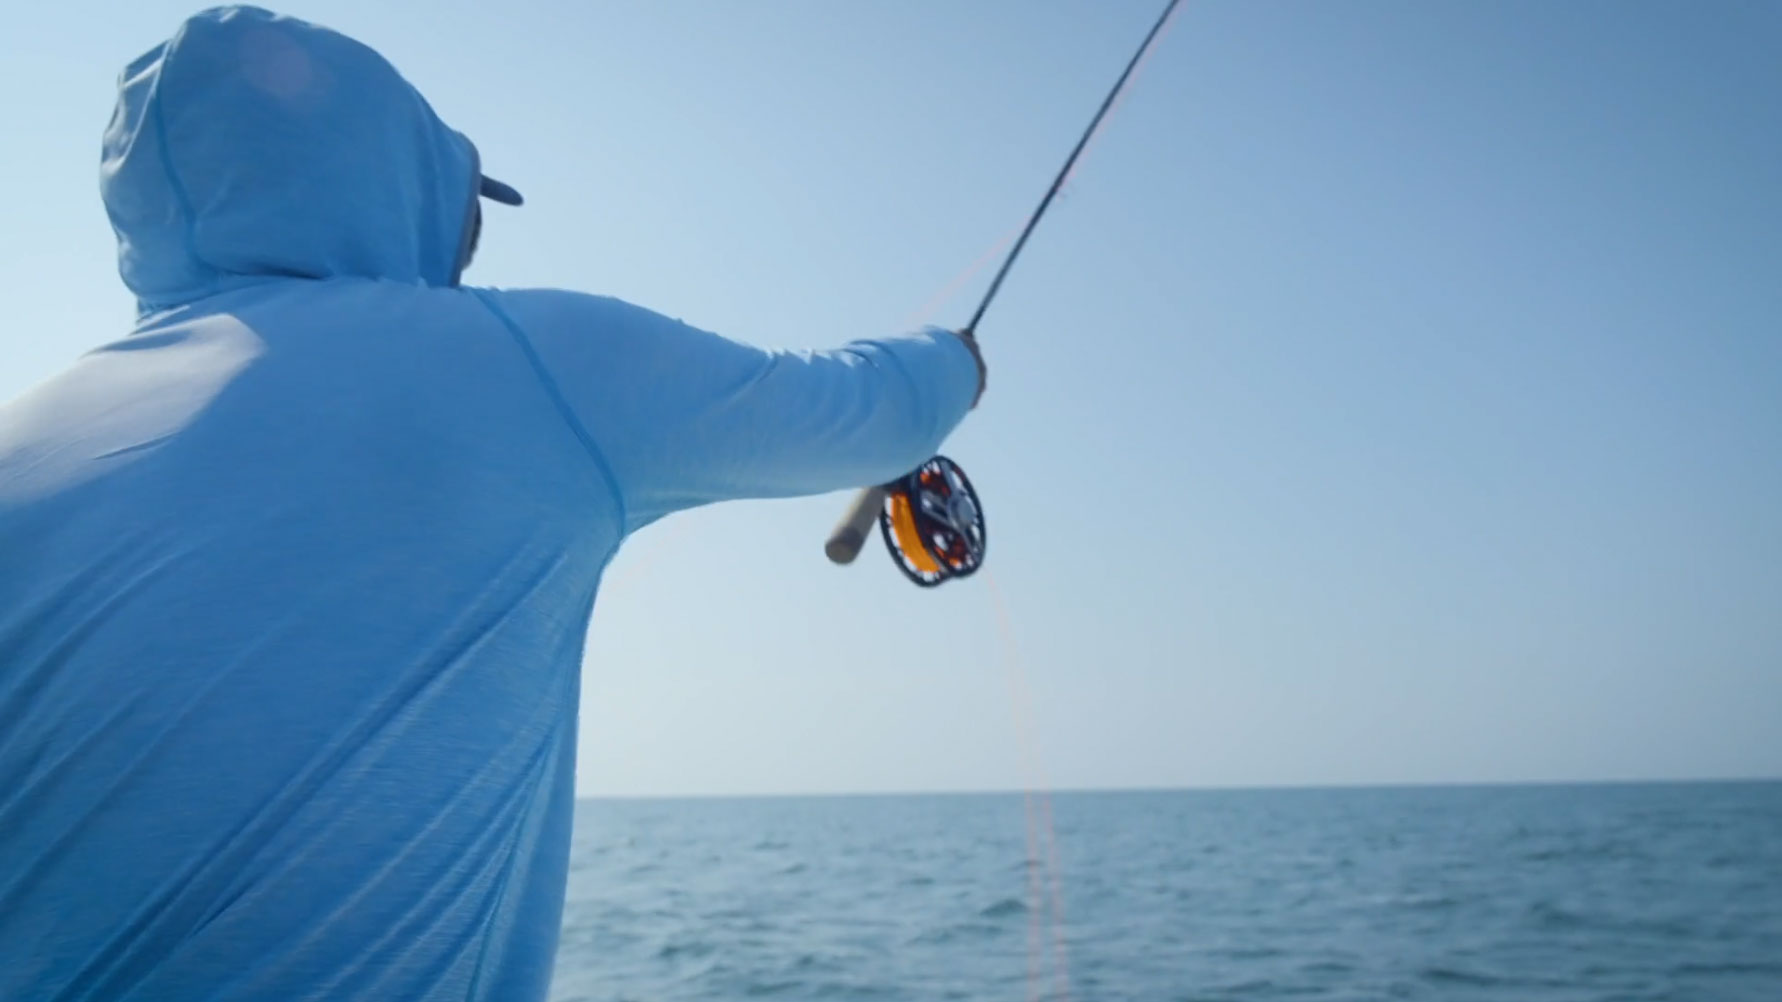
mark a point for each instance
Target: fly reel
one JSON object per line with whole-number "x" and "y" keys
{"x": 933, "y": 524}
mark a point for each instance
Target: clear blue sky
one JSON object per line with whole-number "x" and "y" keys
{"x": 1396, "y": 394}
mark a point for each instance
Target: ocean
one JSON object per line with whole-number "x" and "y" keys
{"x": 1525, "y": 893}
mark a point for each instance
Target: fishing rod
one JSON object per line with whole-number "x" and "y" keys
{"x": 931, "y": 519}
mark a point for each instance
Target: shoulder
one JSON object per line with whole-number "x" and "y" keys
{"x": 559, "y": 306}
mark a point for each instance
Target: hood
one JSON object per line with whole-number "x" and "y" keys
{"x": 251, "y": 145}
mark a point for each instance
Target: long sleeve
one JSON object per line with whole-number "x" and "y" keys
{"x": 685, "y": 417}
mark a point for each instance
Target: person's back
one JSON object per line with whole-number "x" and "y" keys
{"x": 294, "y": 578}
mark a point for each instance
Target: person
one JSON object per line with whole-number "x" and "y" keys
{"x": 295, "y": 576}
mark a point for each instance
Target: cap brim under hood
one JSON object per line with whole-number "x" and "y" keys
{"x": 495, "y": 191}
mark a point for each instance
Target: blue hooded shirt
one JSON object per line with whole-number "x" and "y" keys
{"x": 295, "y": 576}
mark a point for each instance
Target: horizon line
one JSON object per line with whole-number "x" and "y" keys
{"x": 1208, "y": 788}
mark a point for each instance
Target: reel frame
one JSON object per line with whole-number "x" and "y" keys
{"x": 933, "y": 524}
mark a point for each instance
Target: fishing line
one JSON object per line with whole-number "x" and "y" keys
{"x": 1044, "y": 867}
{"x": 950, "y": 544}
{"x": 931, "y": 520}
{"x": 1045, "y": 883}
